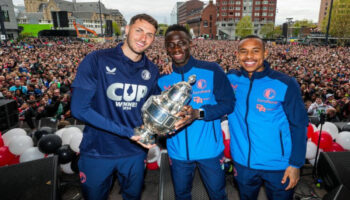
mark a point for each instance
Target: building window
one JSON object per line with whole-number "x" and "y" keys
{"x": 210, "y": 25}
{"x": 237, "y": 14}
{"x": 238, "y": 2}
{"x": 6, "y": 15}
{"x": 264, "y": 8}
{"x": 231, "y": 13}
{"x": 257, "y": 3}
{"x": 230, "y": 8}
{"x": 271, "y": 14}
{"x": 257, "y": 14}
{"x": 205, "y": 23}
{"x": 264, "y": 14}
{"x": 211, "y": 17}
{"x": 265, "y": 2}
{"x": 238, "y": 8}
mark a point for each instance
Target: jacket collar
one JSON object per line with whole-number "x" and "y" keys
{"x": 257, "y": 75}
{"x": 141, "y": 63}
{"x": 191, "y": 62}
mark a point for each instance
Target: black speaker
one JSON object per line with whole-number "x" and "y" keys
{"x": 339, "y": 193}
{"x": 54, "y": 19}
{"x": 109, "y": 28}
{"x": 8, "y": 114}
{"x": 30, "y": 180}
{"x": 285, "y": 29}
{"x": 63, "y": 19}
{"x": 333, "y": 168}
{"x": 166, "y": 187}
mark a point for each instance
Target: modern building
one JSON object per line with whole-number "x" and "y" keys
{"x": 173, "y": 14}
{"x": 230, "y": 12}
{"x": 87, "y": 14}
{"x": 8, "y": 23}
{"x": 324, "y": 5}
{"x": 188, "y": 11}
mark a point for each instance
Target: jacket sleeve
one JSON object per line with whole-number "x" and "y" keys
{"x": 295, "y": 111}
{"x": 224, "y": 96}
{"x": 84, "y": 89}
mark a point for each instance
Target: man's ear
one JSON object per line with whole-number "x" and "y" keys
{"x": 266, "y": 53}
{"x": 192, "y": 44}
{"x": 127, "y": 29}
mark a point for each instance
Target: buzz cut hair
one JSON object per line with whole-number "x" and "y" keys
{"x": 177, "y": 27}
{"x": 254, "y": 37}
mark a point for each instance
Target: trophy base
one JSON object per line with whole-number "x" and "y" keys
{"x": 147, "y": 137}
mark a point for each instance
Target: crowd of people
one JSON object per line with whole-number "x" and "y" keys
{"x": 38, "y": 72}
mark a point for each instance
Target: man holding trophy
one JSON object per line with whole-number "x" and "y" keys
{"x": 197, "y": 140}
{"x": 109, "y": 90}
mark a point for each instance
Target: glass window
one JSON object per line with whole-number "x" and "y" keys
{"x": 5, "y": 15}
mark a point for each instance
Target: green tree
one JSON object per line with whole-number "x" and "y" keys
{"x": 277, "y": 31}
{"x": 267, "y": 30}
{"x": 340, "y": 20}
{"x": 298, "y": 25}
{"x": 162, "y": 29}
{"x": 116, "y": 28}
{"x": 244, "y": 27}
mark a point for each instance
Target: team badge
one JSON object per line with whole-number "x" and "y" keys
{"x": 146, "y": 75}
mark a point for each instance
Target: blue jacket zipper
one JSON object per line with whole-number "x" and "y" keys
{"x": 187, "y": 151}
{"x": 246, "y": 119}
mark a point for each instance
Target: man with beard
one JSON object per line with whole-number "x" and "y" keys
{"x": 267, "y": 126}
{"x": 109, "y": 90}
{"x": 198, "y": 141}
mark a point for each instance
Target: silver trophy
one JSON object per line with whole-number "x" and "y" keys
{"x": 158, "y": 112}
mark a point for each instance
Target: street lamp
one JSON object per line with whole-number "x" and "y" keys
{"x": 329, "y": 21}
{"x": 99, "y": 5}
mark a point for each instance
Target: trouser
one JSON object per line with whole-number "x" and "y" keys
{"x": 212, "y": 173}
{"x": 96, "y": 176}
{"x": 250, "y": 180}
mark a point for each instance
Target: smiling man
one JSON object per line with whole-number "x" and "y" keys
{"x": 109, "y": 90}
{"x": 267, "y": 126}
{"x": 198, "y": 141}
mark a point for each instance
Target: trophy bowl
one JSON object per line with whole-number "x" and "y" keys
{"x": 158, "y": 112}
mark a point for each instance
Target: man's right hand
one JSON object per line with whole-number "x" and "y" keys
{"x": 137, "y": 138}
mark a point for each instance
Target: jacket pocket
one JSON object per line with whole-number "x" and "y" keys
{"x": 281, "y": 140}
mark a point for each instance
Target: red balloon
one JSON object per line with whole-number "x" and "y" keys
{"x": 1, "y": 141}
{"x": 15, "y": 160}
{"x": 326, "y": 139}
{"x": 335, "y": 148}
{"x": 227, "y": 151}
{"x": 5, "y": 156}
{"x": 310, "y": 131}
{"x": 152, "y": 166}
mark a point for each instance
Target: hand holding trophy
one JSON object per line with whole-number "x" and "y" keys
{"x": 159, "y": 111}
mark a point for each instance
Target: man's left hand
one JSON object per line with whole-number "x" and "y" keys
{"x": 188, "y": 115}
{"x": 293, "y": 174}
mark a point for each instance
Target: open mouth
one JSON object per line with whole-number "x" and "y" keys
{"x": 178, "y": 56}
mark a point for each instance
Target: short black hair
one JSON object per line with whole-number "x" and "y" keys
{"x": 254, "y": 37}
{"x": 178, "y": 27}
{"x": 145, "y": 17}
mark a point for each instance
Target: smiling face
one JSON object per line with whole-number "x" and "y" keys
{"x": 177, "y": 44}
{"x": 251, "y": 54}
{"x": 140, "y": 36}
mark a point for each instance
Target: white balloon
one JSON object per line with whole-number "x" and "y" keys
{"x": 60, "y": 132}
{"x": 330, "y": 128}
{"x": 66, "y": 168}
{"x": 32, "y": 153}
{"x": 75, "y": 141}
{"x": 12, "y": 133}
{"x": 68, "y": 134}
{"x": 343, "y": 139}
{"x": 311, "y": 149}
{"x": 19, "y": 144}
{"x": 153, "y": 154}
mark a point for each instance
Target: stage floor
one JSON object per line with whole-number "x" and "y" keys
{"x": 305, "y": 188}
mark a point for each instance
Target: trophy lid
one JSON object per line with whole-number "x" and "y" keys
{"x": 192, "y": 79}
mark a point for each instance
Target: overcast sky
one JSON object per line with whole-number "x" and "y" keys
{"x": 160, "y": 9}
